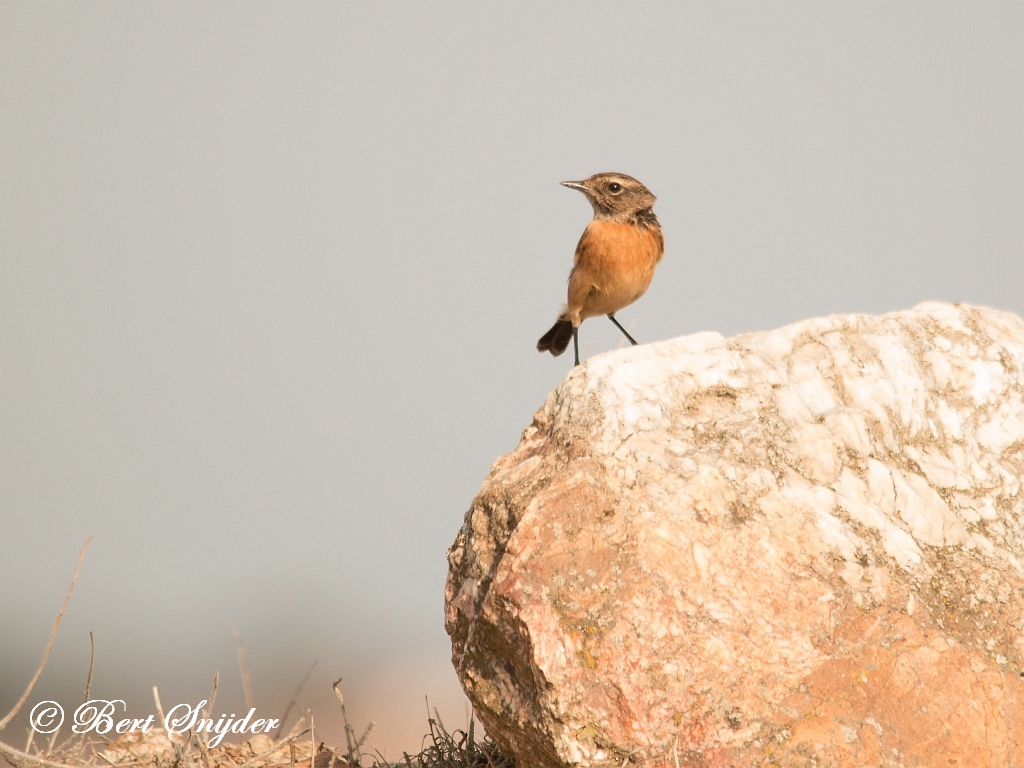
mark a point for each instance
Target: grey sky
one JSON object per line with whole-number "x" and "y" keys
{"x": 271, "y": 276}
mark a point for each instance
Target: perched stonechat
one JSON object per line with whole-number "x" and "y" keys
{"x": 615, "y": 257}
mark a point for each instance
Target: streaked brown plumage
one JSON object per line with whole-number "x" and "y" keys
{"x": 615, "y": 258}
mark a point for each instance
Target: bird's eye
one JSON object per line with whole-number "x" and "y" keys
{"x": 614, "y": 187}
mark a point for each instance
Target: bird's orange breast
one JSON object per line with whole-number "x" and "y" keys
{"x": 614, "y": 266}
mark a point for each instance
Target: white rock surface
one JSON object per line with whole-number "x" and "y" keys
{"x": 795, "y": 546}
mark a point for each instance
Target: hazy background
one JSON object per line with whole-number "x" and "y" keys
{"x": 271, "y": 276}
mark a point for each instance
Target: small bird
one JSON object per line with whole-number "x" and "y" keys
{"x": 615, "y": 257}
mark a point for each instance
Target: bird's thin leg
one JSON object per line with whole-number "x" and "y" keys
{"x": 576, "y": 343}
{"x": 631, "y": 339}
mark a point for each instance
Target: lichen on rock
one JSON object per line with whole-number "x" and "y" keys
{"x": 788, "y": 547}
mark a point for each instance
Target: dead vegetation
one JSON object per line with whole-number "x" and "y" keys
{"x": 299, "y": 748}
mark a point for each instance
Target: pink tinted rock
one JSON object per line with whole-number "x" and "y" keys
{"x": 801, "y": 547}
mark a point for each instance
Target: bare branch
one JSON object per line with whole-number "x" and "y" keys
{"x": 11, "y": 752}
{"x": 92, "y": 658}
{"x": 49, "y": 645}
{"x": 294, "y": 701}
{"x": 159, "y": 709}
{"x": 243, "y": 668}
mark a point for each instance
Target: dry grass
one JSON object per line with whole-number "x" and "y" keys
{"x": 298, "y": 748}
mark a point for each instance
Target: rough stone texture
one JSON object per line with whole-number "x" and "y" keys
{"x": 795, "y": 548}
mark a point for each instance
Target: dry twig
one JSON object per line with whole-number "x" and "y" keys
{"x": 92, "y": 658}
{"x": 243, "y": 668}
{"x": 49, "y": 645}
{"x": 294, "y": 700}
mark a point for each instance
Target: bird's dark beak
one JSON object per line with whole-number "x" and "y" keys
{"x": 576, "y": 185}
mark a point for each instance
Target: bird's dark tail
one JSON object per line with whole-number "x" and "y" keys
{"x": 556, "y": 341}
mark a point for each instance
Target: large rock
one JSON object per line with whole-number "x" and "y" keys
{"x": 801, "y": 547}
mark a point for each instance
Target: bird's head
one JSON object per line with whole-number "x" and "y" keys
{"x": 614, "y": 196}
